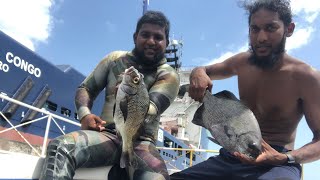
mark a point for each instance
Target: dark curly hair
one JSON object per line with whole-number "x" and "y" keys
{"x": 155, "y": 17}
{"x": 282, "y": 7}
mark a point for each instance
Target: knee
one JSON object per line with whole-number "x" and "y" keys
{"x": 60, "y": 145}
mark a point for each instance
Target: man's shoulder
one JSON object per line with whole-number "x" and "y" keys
{"x": 302, "y": 71}
{"x": 167, "y": 68}
{"x": 239, "y": 61}
{"x": 117, "y": 54}
{"x": 297, "y": 65}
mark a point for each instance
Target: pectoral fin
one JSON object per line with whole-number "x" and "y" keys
{"x": 214, "y": 140}
{"x": 197, "y": 117}
{"x": 124, "y": 108}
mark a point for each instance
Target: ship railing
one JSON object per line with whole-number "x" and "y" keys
{"x": 51, "y": 117}
{"x": 188, "y": 151}
{"x": 47, "y": 115}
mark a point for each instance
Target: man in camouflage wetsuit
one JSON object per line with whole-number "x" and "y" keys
{"x": 96, "y": 144}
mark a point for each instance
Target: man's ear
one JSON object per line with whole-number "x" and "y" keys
{"x": 290, "y": 29}
{"x": 134, "y": 38}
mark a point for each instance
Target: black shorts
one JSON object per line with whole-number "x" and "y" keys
{"x": 225, "y": 166}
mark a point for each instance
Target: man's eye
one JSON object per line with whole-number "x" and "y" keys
{"x": 158, "y": 37}
{"x": 145, "y": 35}
{"x": 271, "y": 28}
{"x": 254, "y": 29}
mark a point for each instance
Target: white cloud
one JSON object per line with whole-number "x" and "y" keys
{"x": 26, "y": 21}
{"x": 308, "y": 11}
{"x": 299, "y": 38}
{"x": 228, "y": 54}
{"x": 222, "y": 57}
{"x": 306, "y": 6}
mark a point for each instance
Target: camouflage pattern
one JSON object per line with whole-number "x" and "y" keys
{"x": 83, "y": 148}
{"x": 161, "y": 81}
{"x": 87, "y": 148}
{"x": 90, "y": 148}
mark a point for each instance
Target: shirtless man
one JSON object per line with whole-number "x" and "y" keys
{"x": 278, "y": 88}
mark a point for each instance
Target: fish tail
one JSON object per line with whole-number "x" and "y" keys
{"x": 124, "y": 159}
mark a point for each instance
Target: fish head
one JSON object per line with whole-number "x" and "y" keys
{"x": 132, "y": 80}
{"x": 250, "y": 145}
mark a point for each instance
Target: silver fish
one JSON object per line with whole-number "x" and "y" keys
{"x": 131, "y": 107}
{"x": 231, "y": 124}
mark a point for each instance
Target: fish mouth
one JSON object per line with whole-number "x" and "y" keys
{"x": 254, "y": 150}
{"x": 131, "y": 70}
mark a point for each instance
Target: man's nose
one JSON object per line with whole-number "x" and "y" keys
{"x": 262, "y": 36}
{"x": 151, "y": 40}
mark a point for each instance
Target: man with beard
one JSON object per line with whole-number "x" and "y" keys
{"x": 97, "y": 144}
{"x": 278, "y": 88}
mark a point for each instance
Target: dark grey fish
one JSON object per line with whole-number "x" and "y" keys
{"x": 231, "y": 124}
{"x": 131, "y": 107}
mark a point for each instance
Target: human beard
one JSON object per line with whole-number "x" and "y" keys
{"x": 141, "y": 58}
{"x": 269, "y": 61}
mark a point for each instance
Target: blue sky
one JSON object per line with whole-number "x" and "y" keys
{"x": 81, "y": 32}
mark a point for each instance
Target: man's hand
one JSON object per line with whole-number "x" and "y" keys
{"x": 268, "y": 156}
{"x": 199, "y": 82}
{"x": 92, "y": 122}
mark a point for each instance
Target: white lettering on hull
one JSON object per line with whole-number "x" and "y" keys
{"x": 22, "y": 64}
{"x": 4, "y": 67}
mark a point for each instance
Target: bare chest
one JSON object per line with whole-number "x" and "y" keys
{"x": 271, "y": 97}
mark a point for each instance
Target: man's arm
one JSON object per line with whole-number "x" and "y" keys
{"x": 164, "y": 90}
{"x": 310, "y": 90}
{"x": 201, "y": 77}
{"x": 162, "y": 93}
{"x": 86, "y": 94}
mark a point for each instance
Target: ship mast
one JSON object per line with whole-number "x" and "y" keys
{"x": 145, "y": 6}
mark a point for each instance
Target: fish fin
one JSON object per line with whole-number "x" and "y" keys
{"x": 197, "y": 117}
{"x": 214, "y": 140}
{"x": 124, "y": 160}
{"x": 114, "y": 109}
{"x": 118, "y": 134}
{"x": 116, "y": 89}
{"x": 227, "y": 95}
{"x": 183, "y": 89}
{"x": 124, "y": 108}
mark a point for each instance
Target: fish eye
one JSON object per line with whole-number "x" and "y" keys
{"x": 136, "y": 80}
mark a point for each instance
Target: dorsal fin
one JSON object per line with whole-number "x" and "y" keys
{"x": 227, "y": 95}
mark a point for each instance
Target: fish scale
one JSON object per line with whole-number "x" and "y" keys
{"x": 231, "y": 124}
{"x": 132, "y": 103}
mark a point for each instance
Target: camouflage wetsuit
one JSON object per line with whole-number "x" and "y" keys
{"x": 87, "y": 148}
